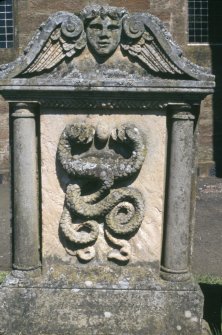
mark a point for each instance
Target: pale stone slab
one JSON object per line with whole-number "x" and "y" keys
{"x": 146, "y": 244}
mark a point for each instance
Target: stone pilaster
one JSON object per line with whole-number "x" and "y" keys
{"x": 25, "y": 189}
{"x": 176, "y": 237}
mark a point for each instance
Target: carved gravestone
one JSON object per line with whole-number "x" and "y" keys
{"x": 103, "y": 113}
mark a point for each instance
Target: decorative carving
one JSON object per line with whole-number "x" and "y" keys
{"x": 104, "y": 28}
{"x": 143, "y": 45}
{"x": 104, "y": 104}
{"x": 64, "y": 42}
{"x": 95, "y": 154}
{"x": 103, "y": 31}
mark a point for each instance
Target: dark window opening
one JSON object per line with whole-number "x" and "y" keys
{"x": 215, "y": 21}
{"x": 6, "y": 24}
{"x": 205, "y": 17}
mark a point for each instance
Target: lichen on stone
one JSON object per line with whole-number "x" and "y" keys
{"x": 98, "y": 154}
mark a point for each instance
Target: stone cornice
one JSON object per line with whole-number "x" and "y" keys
{"x": 107, "y": 104}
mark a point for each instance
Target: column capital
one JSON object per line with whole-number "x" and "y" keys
{"x": 24, "y": 109}
{"x": 183, "y": 111}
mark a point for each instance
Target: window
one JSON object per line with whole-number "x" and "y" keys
{"x": 6, "y": 24}
{"x": 205, "y": 17}
{"x": 198, "y": 21}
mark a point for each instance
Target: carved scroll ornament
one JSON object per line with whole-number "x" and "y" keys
{"x": 102, "y": 29}
{"x": 105, "y": 158}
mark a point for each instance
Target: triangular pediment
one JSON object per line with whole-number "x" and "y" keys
{"x": 103, "y": 46}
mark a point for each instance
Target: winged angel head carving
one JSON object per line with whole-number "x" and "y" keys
{"x": 102, "y": 29}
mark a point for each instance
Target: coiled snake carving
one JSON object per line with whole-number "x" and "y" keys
{"x": 95, "y": 154}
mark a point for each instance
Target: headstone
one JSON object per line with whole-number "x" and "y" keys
{"x": 103, "y": 109}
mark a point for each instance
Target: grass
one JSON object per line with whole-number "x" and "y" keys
{"x": 3, "y": 274}
{"x": 208, "y": 279}
{"x": 216, "y": 332}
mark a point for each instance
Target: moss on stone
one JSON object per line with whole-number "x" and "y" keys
{"x": 3, "y": 274}
{"x": 208, "y": 279}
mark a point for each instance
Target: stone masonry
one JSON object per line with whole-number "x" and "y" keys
{"x": 30, "y": 14}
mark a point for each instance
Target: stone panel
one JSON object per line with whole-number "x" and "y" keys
{"x": 146, "y": 244}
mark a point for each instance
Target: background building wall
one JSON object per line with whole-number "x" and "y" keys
{"x": 29, "y": 14}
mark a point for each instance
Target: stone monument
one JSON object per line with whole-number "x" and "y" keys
{"x": 103, "y": 109}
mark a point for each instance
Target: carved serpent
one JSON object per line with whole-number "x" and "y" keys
{"x": 122, "y": 208}
{"x": 104, "y": 166}
{"x": 110, "y": 207}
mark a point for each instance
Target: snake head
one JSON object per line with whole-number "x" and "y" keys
{"x": 125, "y": 132}
{"x": 81, "y": 132}
{"x": 118, "y": 134}
{"x": 102, "y": 131}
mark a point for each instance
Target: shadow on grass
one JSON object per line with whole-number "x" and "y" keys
{"x": 213, "y": 306}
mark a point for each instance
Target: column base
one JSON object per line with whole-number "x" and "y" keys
{"x": 174, "y": 275}
{"x": 24, "y": 274}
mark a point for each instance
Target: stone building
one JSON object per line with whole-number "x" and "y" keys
{"x": 190, "y": 22}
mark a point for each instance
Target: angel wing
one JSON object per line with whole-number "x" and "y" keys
{"x": 144, "y": 46}
{"x": 65, "y": 40}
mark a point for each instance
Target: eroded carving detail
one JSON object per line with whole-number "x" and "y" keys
{"x": 103, "y": 104}
{"x": 96, "y": 154}
{"x": 103, "y": 29}
{"x": 64, "y": 42}
{"x": 142, "y": 45}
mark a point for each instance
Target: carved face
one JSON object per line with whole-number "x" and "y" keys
{"x": 104, "y": 35}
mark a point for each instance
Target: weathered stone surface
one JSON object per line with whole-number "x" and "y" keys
{"x": 105, "y": 156}
{"x": 5, "y": 226}
{"x": 146, "y": 244}
{"x": 97, "y": 311}
{"x": 101, "y": 31}
{"x": 5, "y": 211}
{"x": 25, "y": 190}
{"x": 4, "y": 137}
{"x": 207, "y": 250}
{"x": 175, "y": 254}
